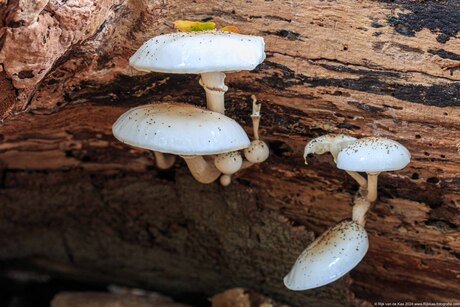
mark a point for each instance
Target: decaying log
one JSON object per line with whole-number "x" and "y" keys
{"x": 72, "y": 198}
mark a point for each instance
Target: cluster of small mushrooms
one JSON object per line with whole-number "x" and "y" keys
{"x": 342, "y": 247}
{"x": 210, "y": 142}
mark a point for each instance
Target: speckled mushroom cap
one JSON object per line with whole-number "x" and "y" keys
{"x": 199, "y": 52}
{"x": 179, "y": 129}
{"x": 329, "y": 257}
{"x": 373, "y": 154}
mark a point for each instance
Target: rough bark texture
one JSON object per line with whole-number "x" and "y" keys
{"x": 74, "y": 199}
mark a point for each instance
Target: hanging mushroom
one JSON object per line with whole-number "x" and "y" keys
{"x": 208, "y": 53}
{"x": 342, "y": 247}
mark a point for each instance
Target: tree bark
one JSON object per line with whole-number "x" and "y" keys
{"x": 74, "y": 199}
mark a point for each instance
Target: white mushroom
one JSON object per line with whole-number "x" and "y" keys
{"x": 333, "y": 143}
{"x": 329, "y": 257}
{"x": 258, "y": 150}
{"x": 209, "y": 53}
{"x": 184, "y": 130}
{"x": 373, "y": 155}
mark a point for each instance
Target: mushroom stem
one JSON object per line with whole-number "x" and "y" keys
{"x": 255, "y": 116}
{"x": 372, "y": 186}
{"x": 359, "y": 179}
{"x": 246, "y": 164}
{"x": 201, "y": 170}
{"x": 360, "y": 208}
{"x": 213, "y": 84}
{"x": 164, "y": 161}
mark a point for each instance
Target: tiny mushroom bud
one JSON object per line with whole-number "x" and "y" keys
{"x": 329, "y": 257}
{"x": 209, "y": 53}
{"x": 373, "y": 155}
{"x": 225, "y": 180}
{"x": 229, "y": 163}
{"x": 184, "y": 130}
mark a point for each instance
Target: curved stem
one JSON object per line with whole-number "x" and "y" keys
{"x": 360, "y": 208}
{"x": 359, "y": 179}
{"x": 255, "y": 116}
{"x": 213, "y": 84}
{"x": 201, "y": 170}
{"x": 164, "y": 161}
{"x": 372, "y": 186}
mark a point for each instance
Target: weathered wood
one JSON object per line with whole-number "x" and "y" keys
{"x": 71, "y": 194}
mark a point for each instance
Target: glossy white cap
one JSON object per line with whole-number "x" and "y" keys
{"x": 373, "y": 154}
{"x": 179, "y": 129}
{"x": 332, "y": 143}
{"x": 199, "y": 52}
{"x": 329, "y": 257}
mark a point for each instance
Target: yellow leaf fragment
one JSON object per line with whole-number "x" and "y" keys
{"x": 190, "y": 26}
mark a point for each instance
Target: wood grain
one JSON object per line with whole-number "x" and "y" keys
{"x": 70, "y": 194}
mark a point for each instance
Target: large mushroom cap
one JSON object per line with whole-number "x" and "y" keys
{"x": 329, "y": 257}
{"x": 179, "y": 129}
{"x": 199, "y": 52}
{"x": 373, "y": 154}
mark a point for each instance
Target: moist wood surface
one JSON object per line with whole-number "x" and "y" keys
{"x": 74, "y": 199}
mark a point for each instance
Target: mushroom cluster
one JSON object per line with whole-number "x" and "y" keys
{"x": 210, "y": 142}
{"x": 341, "y": 248}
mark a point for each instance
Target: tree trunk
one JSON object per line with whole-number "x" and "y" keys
{"x": 75, "y": 200}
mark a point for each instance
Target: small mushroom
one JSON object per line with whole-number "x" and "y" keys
{"x": 209, "y": 53}
{"x": 329, "y": 257}
{"x": 184, "y": 130}
{"x": 333, "y": 143}
{"x": 258, "y": 150}
{"x": 373, "y": 155}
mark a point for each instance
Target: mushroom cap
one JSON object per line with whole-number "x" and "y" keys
{"x": 373, "y": 154}
{"x": 199, "y": 52}
{"x": 329, "y": 257}
{"x": 179, "y": 129}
